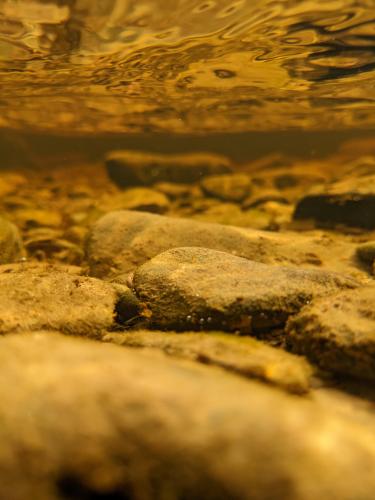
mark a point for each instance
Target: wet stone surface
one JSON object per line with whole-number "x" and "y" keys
{"x": 201, "y": 288}
{"x": 105, "y": 421}
{"x": 338, "y": 333}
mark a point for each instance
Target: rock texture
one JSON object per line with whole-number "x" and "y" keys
{"x": 201, "y": 288}
{"x": 121, "y": 241}
{"x": 84, "y": 420}
{"x": 135, "y": 168}
{"x": 40, "y": 296}
{"x": 243, "y": 355}
{"x": 338, "y": 333}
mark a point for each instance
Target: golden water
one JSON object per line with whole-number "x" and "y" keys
{"x": 186, "y": 66}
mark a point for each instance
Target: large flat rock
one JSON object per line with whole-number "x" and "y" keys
{"x": 81, "y": 419}
{"x": 123, "y": 240}
{"x": 208, "y": 289}
{"x": 338, "y": 333}
{"x": 41, "y": 296}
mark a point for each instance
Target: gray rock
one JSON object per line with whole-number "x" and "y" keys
{"x": 81, "y": 419}
{"x": 201, "y": 288}
{"x": 243, "y": 355}
{"x": 121, "y": 241}
{"x": 233, "y": 187}
{"x": 338, "y": 333}
{"x": 350, "y": 203}
{"x": 11, "y": 247}
{"x": 40, "y": 296}
{"x": 136, "y": 168}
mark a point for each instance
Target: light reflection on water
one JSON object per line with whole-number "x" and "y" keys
{"x": 186, "y": 66}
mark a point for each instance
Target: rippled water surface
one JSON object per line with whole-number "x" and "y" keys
{"x": 187, "y": 65}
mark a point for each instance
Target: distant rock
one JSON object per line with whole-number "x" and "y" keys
{"x": 350, "y": 202}
{"x": 243, "y": 355}
{"x": 338, "y": 333}
{"x": 86, "y": 420}
{"x": 141, "y": 199}
{"x": 41, "y": 296}
{"x": 121, "y": 241}
{"x": 136, "y": 168}
{"x": 200, "y": 288}
{"x": 230, "y": 187}
{"x": 11, "y": 247}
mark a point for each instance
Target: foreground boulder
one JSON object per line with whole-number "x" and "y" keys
{"x": 338, "y": 333}
{"x": 136, "y": 168}
{"x": 10, "y": 242}
{"x": 201, "y": 288}
{"x": 244, "y": 355}
{"x": 40, "y": 296}
{"x": 350, "y": 203}
{"x": 86, "y": 420}
{"x": 121, "y": 241}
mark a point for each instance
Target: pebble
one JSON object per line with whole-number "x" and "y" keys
{"x": 230, "y": 187}
{"x": 236, "y": 293}
{"x": 136, "y": 168}
{"x": 338, "y": 333}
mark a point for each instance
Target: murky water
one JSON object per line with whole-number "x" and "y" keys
{"x": 187, "y": 66}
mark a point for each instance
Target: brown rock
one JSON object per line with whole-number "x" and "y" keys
{"x": 85, "y": 420}
{"x": 121, "y": 241}
{"x": 201, "y": 288}
{"x": 11, "y": 247}
{"x": 243, "y": 355}
{"x": 230, "y": 187}
{"x": 136, "y": 168}
{"x": 40, "y": 296}
{"x": 338, "y": 333}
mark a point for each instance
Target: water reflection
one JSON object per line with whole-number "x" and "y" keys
{"x": 187, "y": 65}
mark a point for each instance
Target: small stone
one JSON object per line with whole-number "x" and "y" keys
{"x": 237, "y": 294}
{"x": 142, "y": 199}
{"x": 338, "y": 333}
{"x": 246, "y": 356}
{"x": 38, "y": 218}
{"x": 231, "y": 187}
{"x": 349, "y": 203}
{"x": 173, "y": 190}
{"x": 40, "y": 296}
{"x": 135, "y": 168}
{"x": 11, "y": 248}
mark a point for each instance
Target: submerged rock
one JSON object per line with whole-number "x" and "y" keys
{"x": 233, "y": 187}
{"x": 121, "y": 241}
{"x": 136, "y": 168}
{"x": 338, "y": 333}
{"x": 200, "y": 288}
{"x": 243, "y": 355}
{"x": 350, "y": 203}
{"x": 42, "y": 296}
{"x": 11, "y": 247}
{"x": 86, "y": 420}
{"x": 142, "y": 199}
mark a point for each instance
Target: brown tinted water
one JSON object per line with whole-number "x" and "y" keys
{"x": 279, "y": 95}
